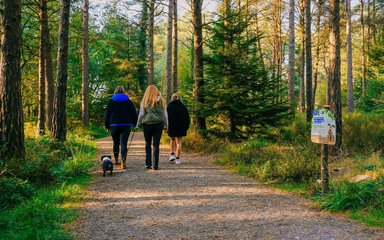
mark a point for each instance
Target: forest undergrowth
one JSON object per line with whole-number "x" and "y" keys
{"x": 39, "y": 195}
{"x": 287, "y": 159}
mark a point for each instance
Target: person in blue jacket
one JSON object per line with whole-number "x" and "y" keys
{"x": 119, "y": 117}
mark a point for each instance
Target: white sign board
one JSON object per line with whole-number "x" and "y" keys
{"x": 323, "y": 127}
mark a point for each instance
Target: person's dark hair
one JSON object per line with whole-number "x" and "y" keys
{"x": 175, "y": 96}
{"x": 120, "y": 89}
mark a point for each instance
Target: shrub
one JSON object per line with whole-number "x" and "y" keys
{"x": 13, "y": 191}
{"x": 348, "y": 195}
{"x": 266, "y": 161}
{"x": 363, "y": 133}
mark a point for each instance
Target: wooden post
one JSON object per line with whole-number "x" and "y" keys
{"x": 324, "y": 165}
{"x": 324, "y": 169}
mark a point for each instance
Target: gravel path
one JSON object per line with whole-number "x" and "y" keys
{"x": 198, "y": 200}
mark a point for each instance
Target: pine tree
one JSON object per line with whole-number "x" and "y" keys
{"x": 240, "y": 94}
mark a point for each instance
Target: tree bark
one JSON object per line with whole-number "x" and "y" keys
{"x": 302, "y": 56}
{"x": 198, "y": 61}
{"x": 42, "y": 70}
{"x": 85, "y": 66}
{"x": 169, "y": 51}
{"x": 49, "y": 80}
{"x": 175, "y": 84}
{"x": 291, "y": 80}
{"x": 11, "y": 110}
{"x": 60, "y": 117}
{"x": 374, "y": 27}
{"x": 308, "y": 60}
{"x": 350, "y": 101}
{"x": 363, "y": 58}
{"x": 151, "y": 20}
{"x": 334, "y": 69}
{"x": 318, "y": 29}
{"x": 143, "y": 39}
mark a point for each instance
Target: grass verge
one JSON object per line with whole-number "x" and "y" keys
{"x": 40, "y": 195}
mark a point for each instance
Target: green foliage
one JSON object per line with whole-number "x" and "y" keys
{"x": 363, "y": 132}
{"x": 297, "y": 131}
{"x": 241, "y": 97}
{"x": 353, "y": 196}
{"x": 38, "y": 194}
{"x": 372, "y": 216}
{"x": 14, "y": 191}
{"x": 42, "y": 217}
{"x": 266, "y": 161}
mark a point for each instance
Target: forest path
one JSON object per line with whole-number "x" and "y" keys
{"x": 198, "y": 200}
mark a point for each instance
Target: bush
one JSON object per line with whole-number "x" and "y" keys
{"x": 363, "y": 133}
{"x": 14, "y": 191}
{"x": 267, "y": 161}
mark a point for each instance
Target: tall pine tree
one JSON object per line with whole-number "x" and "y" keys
{"x": 239, "y": 91}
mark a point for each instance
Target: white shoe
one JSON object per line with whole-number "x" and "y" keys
{"x": 172, "y": 158}
{"x": 177, "y": 161}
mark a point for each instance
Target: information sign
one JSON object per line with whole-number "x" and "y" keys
{"x": 323, "y": 127}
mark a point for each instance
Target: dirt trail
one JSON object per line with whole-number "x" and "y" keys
{"x": 198, "y": 200}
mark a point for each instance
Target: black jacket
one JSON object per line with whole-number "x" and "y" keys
{"x": 120, "y": 112}
{"x": 178, "y": 118}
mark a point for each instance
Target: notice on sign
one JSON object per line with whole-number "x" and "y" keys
{"x": 323, "y": 127}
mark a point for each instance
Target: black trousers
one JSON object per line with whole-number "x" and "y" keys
{"x": 152, "y": 132}
{"x": 120, "y": 137}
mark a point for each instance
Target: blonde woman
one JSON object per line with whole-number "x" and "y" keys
{"x": 154, "y": 118}
{"x": 178, "y": 125}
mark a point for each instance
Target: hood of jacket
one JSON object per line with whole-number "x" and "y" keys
{"x": 120, "y": 97}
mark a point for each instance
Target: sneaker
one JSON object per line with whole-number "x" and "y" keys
{"x": 172, "y": 158}
{"x": 148, "y": 167}
{"x": 178, "y": 161}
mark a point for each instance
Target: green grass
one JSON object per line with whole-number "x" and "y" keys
{"x": 301, "y": 189}
{"x": 371, "y": 217}
{"x": 42, "y": 192}
{"x": 43, "y": 216}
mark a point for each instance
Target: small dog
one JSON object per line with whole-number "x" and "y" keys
{"x": 106, "y": 162}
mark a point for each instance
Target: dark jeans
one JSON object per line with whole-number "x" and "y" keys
{"x": 120, "y": 136}
{"x": 152, "y": 131}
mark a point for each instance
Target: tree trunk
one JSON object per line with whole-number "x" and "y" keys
{"x": 60, "y": 117}
{"x": 169, "y": 51}
{"x": 308, "y": 60}
{"x": 318, "y": 29}
{"x": 374, "y": 23}
{"x": 11, "y": 110}
{"x": 151, "y": 20}
{"x": 143, "y": 38}
{"x": 42, "y": 71}
{"x": 302, "y": 56}
{"x": 334, "y": 69}
{"x": 175, "y": 84}
{"x": 350, "y": 102}
{"x": 198, "y": 60}
{"x": 363, "y": 58}
{"x": 368, "y": 30}
{"x": 258, "y": 33}
{"x": 291, "y": 81}
{"x": 279, "y": 50}
{"x": 84, "y": 62}
{"x": 49, "y": 81}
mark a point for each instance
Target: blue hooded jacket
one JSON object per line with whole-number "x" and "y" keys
{"x": 120, "y": 112}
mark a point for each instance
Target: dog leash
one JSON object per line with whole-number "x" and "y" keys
{"x": 130, "y": 142}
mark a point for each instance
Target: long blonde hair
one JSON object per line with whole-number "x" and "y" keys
{"x": 151, "y": 96}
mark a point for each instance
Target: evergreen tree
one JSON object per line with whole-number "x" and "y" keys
{"x": 239, "y": 91}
